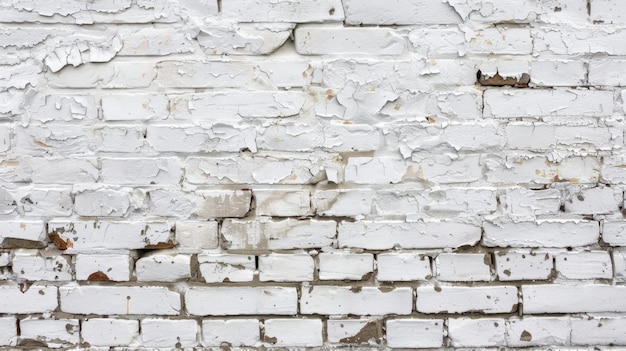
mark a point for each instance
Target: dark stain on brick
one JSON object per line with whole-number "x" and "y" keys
{"x": 98, "y": 277}
{"x": 13, "y": 243}
{"x": 160, "y": 246}
{"x": 498, "y": 81}
{"x": 59, "y": 242}
{"x": 526, "y": 336}
{"x": 371, "y": 330}
{"x": 270, "y": 339}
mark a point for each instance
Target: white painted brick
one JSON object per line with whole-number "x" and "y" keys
{"x": 55, "y": 333}
{"x": 483, "y": 332}
{"x": 538, "y": 136}
{"x": 570, "y": 40}
{"x": 36, "y": 299}
{"x": 101, "y": 203}
{"x": 459, "y": 299}
{"x": 607, "y": 12}
{"x": 558, "y": 73}
{"x": 163, "y": 266}
{"x": 436, "y": 203}
{"x": 236, "y": 332}
{"x": 8, "y": 331}
{"x": 381, "y": 235}
{"x": 538, "y": 331}
{"x": 85, "y": 235}
{"x": 155, "y": 42}
{"x": 119, "y": 139}
{"x": 196, "y": 235}
{"x": 223, "y": 106}
{"x": 403, "y": 266}
{"x": 613, "y": 170}
{"x": 438, "y": 42}
{"x": 584, "y": 265}
{"x": 414, "y": 333}
{"x": 291, "y": 137}
{"x": 241, "y": 301}
{"x": 351, "y": 137}
{"x": 619, "y": 264}
{"x": 217, "y": 268}
{"x": 173, "y": 203}
{"x": 44, "y": 202}
{"x": 109, "y": 75}
{"x": 522, "y": 201}
{"x": 354, "y": 331}
{"x": 292, "y": 11}
{"x": 195, "y": 73}
{"x": 130, "y": 107}
{"x": 324, "y": 40}
{"x": 186, "y": 138}
{"x": 543, "y": 233}
{"x": 5, "y": 259}
{"x": 359, "y": 301}
{"x": 521, "y": 11}
{"x": 607, "y": 73}
{"x": 118, "y": 300}
{"x": 63, "y": 170}
{"x": 375, "y": 170}
{"x": 598, "y": 200}
{"x": 276, "y": 235}
{"x": 501, "y": 40}
{"x": 23, "y": 230}
{"x": 399, "y": 12}
{"x": 523, "y": 265}
{"x": 465, "y": 137}
{"x": 111, "y": 266}
{"x": 339, "y": 265}
{"x": 55, "y": 107}
{"x": 169, "y": 333}
{"x": 57, "y": 140}
{"x": 463, "y": 267}
{"x": 141, "y": 171}
{"x": 282, "y": 203}
{"x": 555, "y": 103}
{"x": 557, "y": 298}
{"x": 542, "y": 170}
{"x": 599, "y": 331}
{"x": 446, "y": 169}
{"x": 110, "y": 332}
{"x": 294, "y": 267}
{"x": 41, "y": 265}
{"x": 224, "y": 203}
{"x": 279, "y": 332}
{"x": 343, "y": 202}
{"x": 459, "y": 104}
{"x": 13, "y": 170}
{"x": 243, "y": 38}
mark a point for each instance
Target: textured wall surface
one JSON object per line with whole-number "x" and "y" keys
{"x": 312, "y": 173}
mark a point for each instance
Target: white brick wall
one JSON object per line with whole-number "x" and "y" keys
{"x": 179, "y": 174}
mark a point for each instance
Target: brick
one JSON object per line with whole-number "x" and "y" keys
{"x": 155, "y": 42}
{"x": 343, "y": 202}
{"x": 483, "y": 332}
{"x": 566, "y": 40}
{"x": 110, "y": 332}
{"x": 522, "y": 201}
{"x": 169, "y": 333}
{"x": 381, "y": 235}
{"x": 543, "y": 233}
{"x": 428, "y": 42}
{"x": 351, "y": 137}
{"x": 444, "y": 169}
{"x": 538, "y": 331}
{"x": 557, "y": 298}
{"x": 521, "y": 11}
{"x": 584, "y": 265}
{"x": 249, "y": 38}
{"x": 599, "y": 331}
{"x": 86, "y": 235}
{"x": 236, "y": 332}
{"x": 399, "y": 12}
{"x": 101, "y": 203}
{"x": 375, "y": 170}
{"x": 192, "y": 139}
{"x": 120, "y": 300}
{"x": 229, "y": 301}
{"x": 291, "y": 267}
{"x": 354, "y": 331}
{"x": 461, "y": 104}
{"x": 458, "y": 299}
{"x": 109, "y": 266}
{"x": 558, "y": 73}
{"x": 523, "y": 265}
{"x": 54, "y": 140}
{"x": 63, "y": 170}
{"x": 540, "y": 136}
{"x": 607, "y": 12}
{"x": 612, "y": 169}
{"x": 403, "y": 266}
{"x": 327, "y": 39}
{"x": 141, "y": 171}
{"x": 541, "y": 170}
{"x": 444, "y": 201}
{"x": 502, "y": 41}
{"x": 36, "y": 299}
{"x": 109, "y": 75}
{"x": 173, "y": 203}
{"x": 607, "y": 73}
{"x": 131, "y": 107}
{"x": 459, "y": 137}
{"x": 275, "y": 235}
{"x": 293, "y": 11}
{"x": 463, "y": 267}
{"x": 619, "y": 264}
{"x": 359, "y": 301}
{"x": 193, "y": 236}
{"x": 414, "y": 333}
{"x": 224, "y": 203}
{"x": 291, "y": 137}
{"x": 55, "y": 333}
{"x": 119, "y": 139}
{"x": 551, "y": 103}
{"x": 279, "y": 332}
{"x": 8, "y": 331}
{"x": 22, "y": 230}
{"x": 282, "y": 203}
{"x": 163, "y": 266}
{"x": 340, "y": 265}
{"x": 217, "y": 268}
{"x": 41, "y": 265}
{"x": 63, "y": 107}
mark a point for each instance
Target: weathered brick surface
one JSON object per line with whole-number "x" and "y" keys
{"x": 312, "y": 174}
